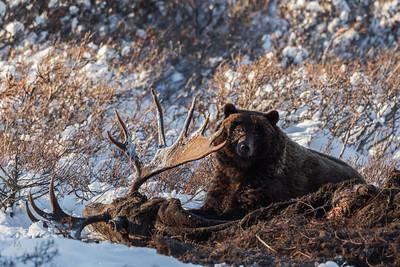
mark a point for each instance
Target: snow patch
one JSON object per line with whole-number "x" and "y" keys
{"x": 141, "y": 33}
{"x": 73, "y": 10}
{"x": 313, "y": 6}
{"x": 341, "y": 5}
{"x": 79, "y": 254}
{"x": 177, "y": 77}
{"x": 328, "y": 264}
{"x": 15, "y": 27}
{"x": 105, "y": 54}
{"x": 2, "y": 9}
{"x": 267, "y": 43}
{"x": 52, "y": 4}
{"x": 37, "y": 230}
{"x": 295, "y": 54}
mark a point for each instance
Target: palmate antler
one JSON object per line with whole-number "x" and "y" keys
{"x": 185, "y": 149}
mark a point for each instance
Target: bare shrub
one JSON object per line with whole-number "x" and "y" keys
{"x": 52, "y": 124}
{"x": 356, "y": 101}
{"x": 378, "y": 168}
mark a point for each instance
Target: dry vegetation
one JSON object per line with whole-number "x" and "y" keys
{"x": 53, "y": 117}
{"x": 34, "y": 142}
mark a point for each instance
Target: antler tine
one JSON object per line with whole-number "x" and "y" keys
{"x": 120, "y": 145}
{"x": 58, "y": 213}
{"x": 160, "y": 121}
{"x": 204, "y": 126}
{"x": 215, "y": 136}
{"x": 29, "y": 212}
{"x": 188, "y": 120}
{"x": 127, "y": 146}
{"x": 122, "y": 125}
{"x": 41, "y": 213}
{"x": 104, "y": 217}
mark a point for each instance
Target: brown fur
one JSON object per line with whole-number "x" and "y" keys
{"x": 270, "y": 167}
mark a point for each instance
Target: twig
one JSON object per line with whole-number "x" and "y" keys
{"x": 265, "y": 244}
{"x": 330, "y": 43}
{"x": 347, "y": 136}
{"x": 195, "y": 194}
{"x": 393, "y": 71}
{"x": 303, "y": 254}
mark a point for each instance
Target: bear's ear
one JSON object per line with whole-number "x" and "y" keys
{"x": 273, "y": 117}
{"x": 229, "y": 109}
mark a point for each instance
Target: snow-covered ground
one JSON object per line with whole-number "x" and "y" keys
{"x": 75, "y": 253}
{"x": 19, "y": 238}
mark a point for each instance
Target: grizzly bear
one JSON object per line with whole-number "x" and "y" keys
{"x": 260, "y": 165}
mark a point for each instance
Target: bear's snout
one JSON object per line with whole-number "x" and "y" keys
{"x": 245, "y": 148}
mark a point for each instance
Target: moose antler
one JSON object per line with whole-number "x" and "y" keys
{"x": 185, "y": 149}
{"x": 62, "y": 220}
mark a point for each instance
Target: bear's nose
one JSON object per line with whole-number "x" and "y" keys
{"x": 244, "y": 149}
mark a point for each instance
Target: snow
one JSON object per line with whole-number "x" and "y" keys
{"x": 125, "y": 50}
{"x": 7, "y": 71}
{"x": 141, "y": 33}
{"x": 79, "y": 254}
{"x": 267, "y": 43}
{"x": 41, "y": 20}
{"x": 295, "y": 54}
{"x": 2, "y": 9}
{"x": 74, "y": 23}
{"x": 19, "y": 236}
{"x": 177, "y": 77}
{"x": 396, "y": 155}
{"x": 333, "y": 25}
{"x": 14, "y": 28}
{"x": 328, "y": 264}
{"x": 313, "y": 6}
{"x": 341, "y": 5}
{"x": 105, "y": 54}
{"x": 73, "y": 10}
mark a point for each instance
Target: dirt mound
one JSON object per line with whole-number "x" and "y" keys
{"x": 348, "y": 222}
{"x": 357, "y": 221}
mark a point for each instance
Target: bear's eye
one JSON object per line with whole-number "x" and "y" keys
{"x": 257, "y": 129}
{"x": 237, "y": 132}
{"x": 235, "y": 125}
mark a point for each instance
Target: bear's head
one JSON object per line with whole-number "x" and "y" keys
{"x": 252, "y": 137}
